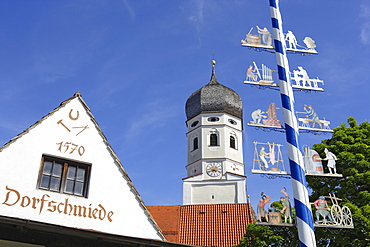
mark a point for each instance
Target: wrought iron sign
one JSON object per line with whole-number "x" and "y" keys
{"x": 313, "y": 163}
{"x": 260, "y": 38}
{"x": 268, "y": 159}
{"x": 263, "y": 76}
{"x": 333, "y": 216}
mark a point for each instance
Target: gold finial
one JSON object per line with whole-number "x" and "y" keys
{"x": 213, "y": 62}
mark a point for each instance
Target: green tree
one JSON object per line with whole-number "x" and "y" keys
{"x": 260, "y": 236}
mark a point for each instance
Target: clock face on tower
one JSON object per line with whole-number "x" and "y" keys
{"x": 214, "y": 169}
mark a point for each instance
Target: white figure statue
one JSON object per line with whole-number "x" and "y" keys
{"x": 305, "y": 78}
{"x": 297, "y": 78}
{"x": 331, "y": 158}
{"x": 292, "y": 41}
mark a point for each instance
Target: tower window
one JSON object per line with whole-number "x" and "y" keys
{"x": 64, "y": 176}
{"x": 195, "y": 123}
{"x": 213, "y": 119}
{"x": 195, "y": 143}
{"x": 213, "y": 140}
{"x": 232, "y": 142}
{"x": 232, "y": 122}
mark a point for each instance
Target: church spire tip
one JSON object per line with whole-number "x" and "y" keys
{"x": 213, "y": 77}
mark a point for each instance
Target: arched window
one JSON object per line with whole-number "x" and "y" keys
{"x": 213, "y": 140}
{"x": 232, "y": 142}
{"x": 195, "y": 143}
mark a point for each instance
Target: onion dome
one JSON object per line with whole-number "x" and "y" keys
{"x": 214, "y": 98}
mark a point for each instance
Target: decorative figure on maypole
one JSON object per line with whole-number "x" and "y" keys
{"x": 303, "y": 81}
{"x": 262, "y": 159}
{"x": 310, "y": 43}
{"x": 292, "y": 41}
{"x": 268, "y": 162}
{"x": 311, "y": 116}
{"x": 257, "y": 76}
{"x": 334, "y": 215}
{"x": 287, "y": 210}
{"x": 312, "y": 113}
{"x": 261, "y": 212}
{"x": 263, "y": 41}
{"x": 263, "y": 77}
{"x": 266, "y": 36}
{"x": 331, "y": 158}
{"x": 251, "y": 74}
{"x": 257, "y": 115}
{"x": 322, "y": 209}
{"x": 313, "y": 163}
{"x": 270, "y": 121}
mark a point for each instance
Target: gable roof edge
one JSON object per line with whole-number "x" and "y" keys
{"x": 117, "y": 160}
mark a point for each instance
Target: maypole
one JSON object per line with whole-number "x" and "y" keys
{"x": 301, "y": 201}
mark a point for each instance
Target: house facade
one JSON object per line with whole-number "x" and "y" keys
{"x": 61, "y": 174}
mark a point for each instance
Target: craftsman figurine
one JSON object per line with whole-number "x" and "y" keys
{"x": 292, "y": 41}
{"x": 331, "y": 158}
{"x": 266, "y": 36}
{"x": 257, "y": 116}
{"x": 322, "y": 209}
{"x": 286, "y": 206}
{"x": 262, "y": 157}
{"x": 251, "y": 74}
{"x": 261, "y": 212}
{"x": 312, "y": 113}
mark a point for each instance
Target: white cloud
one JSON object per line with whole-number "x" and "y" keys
{"x": 365, "y": 28}
{"x": 197, "y": 16}
{"x": 155, "y": 116}
{"x": 365, "y": 33}
{"x": 130, "y": 10}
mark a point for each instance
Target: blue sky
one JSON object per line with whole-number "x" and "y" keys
{"x": 137, "y": 62}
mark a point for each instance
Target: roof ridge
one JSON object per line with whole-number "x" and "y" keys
{"x": 105, "y": 140}
{"x": 62, "y": 104}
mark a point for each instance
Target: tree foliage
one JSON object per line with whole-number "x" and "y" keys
{"x": 351, "y": 145}
{"x": 262, "y": 235}
{"x": 259, "y": 236}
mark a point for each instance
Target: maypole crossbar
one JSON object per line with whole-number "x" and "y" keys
{"x": 301, "y": 201}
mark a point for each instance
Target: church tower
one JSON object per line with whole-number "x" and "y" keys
{"x": 215, "y": 169}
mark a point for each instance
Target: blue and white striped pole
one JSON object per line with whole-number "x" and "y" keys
{"x": 301, "y": 202}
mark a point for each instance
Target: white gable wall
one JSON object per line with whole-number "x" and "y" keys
{"x": 20, "y": 164}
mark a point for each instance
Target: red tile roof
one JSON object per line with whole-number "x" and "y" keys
{"x": 204, "y": 225}
{"x": 168, "y": 219}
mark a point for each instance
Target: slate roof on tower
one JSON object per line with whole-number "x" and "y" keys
{"x": 214, "y": 97}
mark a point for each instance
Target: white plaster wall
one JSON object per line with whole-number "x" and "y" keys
{"x": 20, "y": 166}
{"x": 194, "y": 155}
{"x": 234, "y": 167}
{"x": 214, "y": 193}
